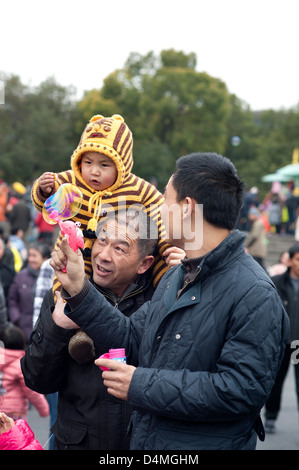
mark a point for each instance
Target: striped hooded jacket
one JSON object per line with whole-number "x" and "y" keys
{"x": 112, "y": 137}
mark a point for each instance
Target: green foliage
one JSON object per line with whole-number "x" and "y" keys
{"x": 171, "y": 109}
{"x": 172, "y": 58}
{"x": 37, "y": 132}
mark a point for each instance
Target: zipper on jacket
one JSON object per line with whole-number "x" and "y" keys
{"x": 116, "y": 303}
{"x": 180, "y": 292}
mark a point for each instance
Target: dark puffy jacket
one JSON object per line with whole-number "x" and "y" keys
{"x": 88, "y": 417}
{"x": 207, "y": 359}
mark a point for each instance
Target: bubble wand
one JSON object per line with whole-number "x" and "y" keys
{"x": 64, "y": 204}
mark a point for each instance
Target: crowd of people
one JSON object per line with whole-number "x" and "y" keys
{"x": 278, "y": 209}
{"x": 191, "y": 310}
{"x": 22, "y": 252}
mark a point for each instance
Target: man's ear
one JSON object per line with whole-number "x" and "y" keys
{"x": 188, "y": 207}
{"x": 146, "y": 263}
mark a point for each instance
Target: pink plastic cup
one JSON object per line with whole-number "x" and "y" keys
{"x": 115, "y": 354}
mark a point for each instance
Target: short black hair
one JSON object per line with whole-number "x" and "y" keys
{"x": 293, "y": 250}
{"x": 212, "y": 181}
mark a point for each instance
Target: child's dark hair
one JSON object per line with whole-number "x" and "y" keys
{"x": 12, "y": 337}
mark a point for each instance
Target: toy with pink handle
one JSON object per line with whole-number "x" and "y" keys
{"x": 70, "y": 230}
{"x": 66, "y": 203}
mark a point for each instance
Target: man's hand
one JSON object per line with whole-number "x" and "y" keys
{"x": 173, "y": 255}
{"x": 118, "y": 379}
{"x": 73, "y": 279}
{"x": 59, "y": 316}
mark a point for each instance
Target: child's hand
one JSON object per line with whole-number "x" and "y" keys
{"x": 6, "y": 423}
{"x": 46, "y": 182}
{"x": 173, "y": 255}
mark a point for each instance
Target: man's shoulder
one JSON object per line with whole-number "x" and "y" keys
{"x": 246, "y": 275}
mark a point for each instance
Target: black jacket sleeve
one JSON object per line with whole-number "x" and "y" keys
{"x": 45, "y": 361}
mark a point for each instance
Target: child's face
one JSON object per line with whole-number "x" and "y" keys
{"x": 98, "y": 170}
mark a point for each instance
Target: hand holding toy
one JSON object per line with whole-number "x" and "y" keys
{"x": 66, "y": 203}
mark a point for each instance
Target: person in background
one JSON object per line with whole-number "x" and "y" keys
{"x": 18, "y": 246}
{"x": 45, "y": 230}
{"x": 292, "y": 205}
{"x": 281, "y": 266}
{"x": 19, "y": 216}
{"x": 256, "y": 241}
{"x": 287, "y": 285}
{"x": 3, "y": 309}
{"x": 275, "y": 212}
{"x": 4, "y": 195}
{"x": 43, "y": 285}
{"x": 15, "y": 395}
{"x": 21, "y": 291}
{"x": 7, "y": 266}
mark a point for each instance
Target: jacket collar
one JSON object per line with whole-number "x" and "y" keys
{"x": 223, "y": 255}
{"x": 140, "y": 285}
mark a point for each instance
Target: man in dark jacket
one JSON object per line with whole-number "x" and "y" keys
{"x": 203, "y": 354}
{"x": 287, "y": 285}
{"x": 88, "y": 417}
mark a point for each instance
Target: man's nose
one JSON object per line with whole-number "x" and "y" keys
{"x": 105, "y": 253}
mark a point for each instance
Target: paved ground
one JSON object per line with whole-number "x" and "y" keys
{"x": 286, "y": 438}
{"x": 287, "y": 435}
{"x": 40, "y": 427}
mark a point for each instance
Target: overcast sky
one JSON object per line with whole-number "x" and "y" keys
{"x": 251, "y": 45}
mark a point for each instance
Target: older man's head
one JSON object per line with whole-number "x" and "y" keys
{"x": 123, "y": 250}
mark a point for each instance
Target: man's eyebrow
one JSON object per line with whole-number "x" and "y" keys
{"x": 123, "y": 242}
{"x": 104, "y": 234}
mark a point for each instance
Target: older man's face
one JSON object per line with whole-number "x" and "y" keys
{"x": 115, "y": 258}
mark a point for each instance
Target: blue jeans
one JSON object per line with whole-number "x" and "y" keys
{"x": 52, "y": 400}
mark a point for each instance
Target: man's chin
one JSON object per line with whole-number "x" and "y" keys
{"x": 102, "y": 279}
